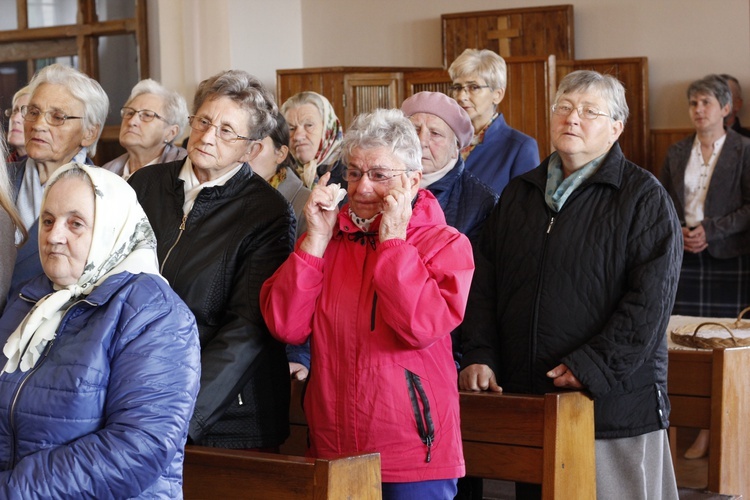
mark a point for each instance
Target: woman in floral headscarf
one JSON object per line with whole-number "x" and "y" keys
{"x": 316, "y": 136}
{"x": 101, "y": 360}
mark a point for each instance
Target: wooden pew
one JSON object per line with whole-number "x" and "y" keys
{"x": 547, "y": 440}
{"x": 710, "y": 389}
{"x": 218, "y": 473}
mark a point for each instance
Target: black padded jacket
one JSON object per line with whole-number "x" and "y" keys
{"x": 591, "y": 286}
{"x": 216, "y": 259}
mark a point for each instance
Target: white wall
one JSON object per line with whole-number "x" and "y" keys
{"x": 683, "y": 39}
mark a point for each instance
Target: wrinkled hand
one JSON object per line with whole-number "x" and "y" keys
{"x": 396, "y": 210}
{"x": 320, "y": 223}
{"x": 477, "y": 378}
{"x": 694, "y": 239}
{"x": 562, "y": 377}
{"x": 297, "y": 371}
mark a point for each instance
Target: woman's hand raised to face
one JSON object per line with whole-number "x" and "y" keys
{"x": 396, "y": 210}
{"x": 320, "y": 222}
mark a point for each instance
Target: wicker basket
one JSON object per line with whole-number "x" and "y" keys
{"x": 687, "y": 335}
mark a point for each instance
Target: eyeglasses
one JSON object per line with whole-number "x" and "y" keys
{"x": 145, "y": 115}
{"x": 10, "y": 112}
{"x": 374, "y": 174}
{"x": 55, "y": 118}
{"x": 587, "y": 112}
{"x": 471, "y": 88}
{"x": 224, "y": 133}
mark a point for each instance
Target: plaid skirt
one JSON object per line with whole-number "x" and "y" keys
{"x": 711, "y": 287}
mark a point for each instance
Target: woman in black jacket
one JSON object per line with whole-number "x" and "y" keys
{"x": 575, "y": 278}
{"x": 222, "y": 231}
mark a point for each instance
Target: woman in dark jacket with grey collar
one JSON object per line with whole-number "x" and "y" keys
{"x": 575, "y": 278}
{"x": 222, "y": 231}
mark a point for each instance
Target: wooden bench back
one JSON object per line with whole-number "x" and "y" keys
{"x": 218, "y": 473}
{"x": 547, "y": 440}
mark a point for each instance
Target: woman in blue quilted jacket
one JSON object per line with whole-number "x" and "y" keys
{"x": 100, "y": 364}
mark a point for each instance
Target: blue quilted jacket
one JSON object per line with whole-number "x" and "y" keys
{"x": 104, "y": 413}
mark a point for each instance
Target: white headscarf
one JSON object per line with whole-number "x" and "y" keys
{"x": 122, "y": 240}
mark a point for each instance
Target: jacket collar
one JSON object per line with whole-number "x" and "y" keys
{"x": 426, "y": 211}
{"x": 609, "y": 172}
{"x": 41, "y": 286}
{"x": 232, "y": 187}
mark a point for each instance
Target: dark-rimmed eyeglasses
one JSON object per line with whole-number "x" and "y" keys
{"x": 223, "y": 132}
{"x": 374, "y": 174}
{"x": 471, "y": 89}
{"x": 587, "y": 112}
{"x": 53, "y": 117}
{"x": 145, "y": 115}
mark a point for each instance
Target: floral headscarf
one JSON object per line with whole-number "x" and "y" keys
{"x": 122, "y": 240}
{"x": 330, "y": 143}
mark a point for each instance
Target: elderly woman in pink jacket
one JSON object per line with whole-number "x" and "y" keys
{"x": 377, "y": 287}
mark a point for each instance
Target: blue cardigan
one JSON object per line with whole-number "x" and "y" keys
{"x": 504, "y": 154}
{"x": 104, "y": 412}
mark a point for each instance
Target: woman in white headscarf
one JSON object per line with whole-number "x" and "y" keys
{"x": 100, "y": 358}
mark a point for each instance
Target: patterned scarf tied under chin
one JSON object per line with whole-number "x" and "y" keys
{"x": 328, "y": 150}
{"x": 122, "y": 240}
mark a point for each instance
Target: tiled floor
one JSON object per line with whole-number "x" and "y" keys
{"x": 691, "y": 474}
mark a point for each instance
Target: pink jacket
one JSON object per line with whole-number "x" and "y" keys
{"x": 382, "y": 375}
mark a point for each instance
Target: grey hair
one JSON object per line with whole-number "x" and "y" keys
{"x": 607, "y": 86}
{"x": 247, "y": 91}
{"x": 302, "y": 98}
{"x": 384, "y": 128}
{"x": 483, "y": 63}
{"x": 175, "y": 110}
{"x": 19, "y": 94}
{"x": 84, "y": 89}
{"x": 714, "y": 85}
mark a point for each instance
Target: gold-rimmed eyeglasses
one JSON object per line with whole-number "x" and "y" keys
{"x": 587, "y": 112}
{"x": 53, "y": 117}
{"x": 471, "y": 88}
{"x": 374, "y": 174}
{"x": 223, "y": 132}
{"x": 145, "y": 115}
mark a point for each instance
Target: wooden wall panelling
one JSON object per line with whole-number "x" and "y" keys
{"x": 527, "y": 101}
{"x": 660, "y": 142}
{"x": 368, "y": 91}
{"x": 633, "y": 73}
{"x": 534, "y": 31}
{"x": 430, "y": 80}
{"x": 328, "y": 82}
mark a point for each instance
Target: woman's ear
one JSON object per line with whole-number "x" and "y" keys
{"x": 497, "y": 96}
{"x": 252, "y": 152}
{"x": 170, "y": 133}
{"x": 281, "y": 154}
{"x": 89, "y": 136}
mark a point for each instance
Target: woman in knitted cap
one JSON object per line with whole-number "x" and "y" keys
{"x": 100, "y": 358}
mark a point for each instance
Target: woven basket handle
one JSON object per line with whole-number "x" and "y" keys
{"x": 717, "y": 324}
{"x": 738, "y": 323}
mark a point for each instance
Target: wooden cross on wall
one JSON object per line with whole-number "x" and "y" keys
{"x": 503, "y": 34}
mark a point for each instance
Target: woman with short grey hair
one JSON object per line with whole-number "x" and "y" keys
{"x": 221, "y": 231}
{"x": 576, "y": 275}
{"x": 377, "y": 287}
{"x": 152, "y": 118}
{"x": 62, "y": 123}
{"x": 497, "y": 152}
{"x": 708, "y": 177}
